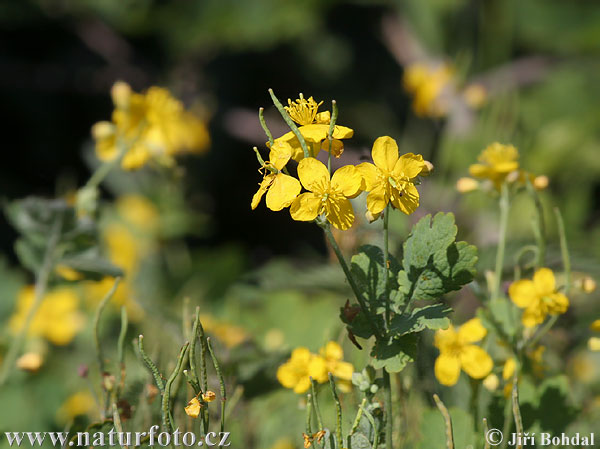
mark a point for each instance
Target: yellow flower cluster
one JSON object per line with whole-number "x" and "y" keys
{"x": 58, "y": 318}
{"x": 148, "y": 126}
{"x": 427, "y": 84}
{"x": 499, "y": 163}
{"x": 390, "y": 180}
{"x": 302, "y": 365}
{"x": 458, "y": 351}
{"x": 539, "y": 297}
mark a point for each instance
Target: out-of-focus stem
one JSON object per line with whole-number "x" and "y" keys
{"x": 504, "y": 207}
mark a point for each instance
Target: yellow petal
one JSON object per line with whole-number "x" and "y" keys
{"x": 377, "y": 200}
{"x": 370, "y": 174}
{"x": 282, "y": 192}
{"x": 533, "y": 315}
{"x": 479, "y": 170}
{"x": 385, "y": 153}
{"x": 314, "y": 175}
{"x": 314, "y": 132}
{"x": 323, "y": 117}
{"x": 522, "y": 292}
{"x": 409, "y": 166}
{"x": 472, "y": 331}
{"x": 332, "y": 351}
{"x": 264, "y": 185}
{"x": 193, "y": 408}
{"x": 445, "y": 338}
{"x": 544, "y": 281}
{"x": 317, "y": 369}
{"x": 476, "y": 362}
{"x": 347, "y": 180}
{"x": 595, "y": 326}
{"x": 280, "y": 154}
{"x": 306, "y": 207}
{"x": 340, "y": 213}
{"x": 303, "y": 385}
{"x": 509, "y": 369}
{"x": 447, "y": 369}
{"x": 343, "y": 370}
{"x": 594, "y": 344}
{"x": 337, "y": 147}
{"x": 406, "y": 200}
{"x": 558, "y": 305}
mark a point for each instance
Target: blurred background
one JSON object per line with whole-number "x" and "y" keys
{"x": 524, "y": 73}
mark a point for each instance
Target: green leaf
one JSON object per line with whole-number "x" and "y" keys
{"x": 433, "y": 317}
{"x": 359, "y": 441}
{"x": 433, "y": 263}
{"x": 91, "y": 265}
{"x": 368, "y": 269}
{"x": 394, "y": 355}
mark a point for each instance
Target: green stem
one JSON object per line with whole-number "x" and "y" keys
{"x": 374, "y": 425}
{"x": 316, "y": 403}
{"x": 151, "y": 366}
{"x": 447, "y": 421}
{"x": 334, "y": 116}
{"x": 96, "y": 326}
{"x": 308, "y": 427}
{"x": 389, "y": 425}
{"x": 221, "y": 382}
{"x": 121, "y": 350}
{"x": 194, "y": 380}
{"x": 355, "y": 289}
{"x": 539, "y": 225}
{"x": 516, "y": 409}
{"x": 263, "y": 123}
{"x": 564, "y": 249}
{"x": 290, "y": 123}
{"x": 41, "y": 284}
{"x": 386, "y": 216}
{"x": 504, "y": 207}
{"x": 338, "y": 409}
{"x": 166, "y": 397}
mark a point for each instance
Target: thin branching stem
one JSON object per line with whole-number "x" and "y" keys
{"x": 151, "y": 366}
{"x": 447, "y": 421}
{"x": 263, "y": 123}
{"x": 166, "y": 397}
{"x": 338, "y": 409}
{"x": 504, "y": 208}
{"x": 313, "y": 389}
{"x": 290, "y": 123}
{"x": 41, "y": 285}
{"x": 221, "y": 382}
{"x": 121, "y": 350}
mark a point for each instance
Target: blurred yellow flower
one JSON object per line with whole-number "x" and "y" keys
{"x": 230, "y": 335}
{"x": 475, "y": 95}
{"x": 333, "y": 354}
{"x": 67, "y": 273}
{"x": 509, "y": 368}
{"x": 281, "y": 189}
{"x": 314, "y": 127}
{"x": 466, "y": 185}
{"x": 193, "y": 408}
{"x": 391, "y": 179}
{"x": 57, "y": 319}
{"x": 497, "y": 161}
{"x": 283, "y": 443}
{"x": 138, "y": 211}
{"x": 80, "y": 403}
{"x": 94, "y": 292}
{"x": 297, "y": 371}
{"x": 124, "y": 248}
{"x": 491, "y": 382}
{"x": 326, "y": 196}
{"x": 427, "y": 83}
{"x": 586, "y": 284}
{"x": 148, "y": 126}
{"x": 594, "y": 344}
{"x": 458, "y": 351}
{"x": 595, "y": 326}
{"x": 538, "y": 297}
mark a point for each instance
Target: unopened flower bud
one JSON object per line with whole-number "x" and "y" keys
{"x": 586, "y": 284}
{"x": 491, "y": 382}
{"x": 541, "y": 182}
{"x": 427, "y": 169}
{"x": 465, "y": 185}
{"x": 594, "y": 344}
{"x": 30, "y": 361}
{"x": 121, "y": 93}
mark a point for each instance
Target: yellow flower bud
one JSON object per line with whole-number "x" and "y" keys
{"x": 465, "y": 185}
{"x": 209, "y": 396}
{"x": 475, "y": 95}
{"x": 594, "y": 344}
{"x": 121, "y": 93}
{"x": 193, "y": 408}
{"x": 587, "y": 285}
{"x": 30, "y": 361}
{"x": 541, "y": 182}
{"x": 103, "y": 130}
{"x": 595, "y": 326}
{"x": 491, "y": 382}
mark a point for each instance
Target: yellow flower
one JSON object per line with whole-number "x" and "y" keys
{"x": 209, "y": 396}
{"x": 281, "y": 189}
{"x": 391, "y": 179}
{"x": 333, "y": 354}
{"x": 80, "y": 403}
{"x": 491, "y": 382}
{"x": 229, "y": 334}
{"x": 509, "y": 368}
{"x": 58, "y": 318}
{"x": 140, "y": 212}
{"x": 595, "y": 326}
{"x": 297, "y": 371}
{"x": 497, "y": 161}
{"x": 538, "y": 297}
{"x": 193, "y": 407}
{"x": 326, "y": 196}
{"x": 458, "y": 351}
{"x": 594, "y": 344}
{"x": 466, "y": 185}
{"x": 151, "y": 125}
{"x": 428, "y": 83}
{"x": 314, "y": 127}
